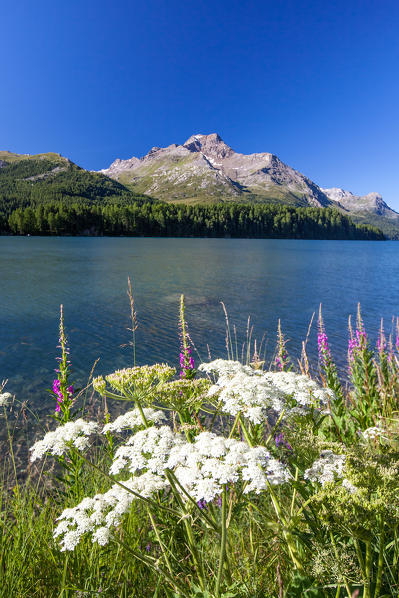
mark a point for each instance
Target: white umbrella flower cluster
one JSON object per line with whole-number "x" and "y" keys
{"x": 327, "y": 468}
{"x": 134, "y": 419}
{"x": 204, "y": 466}
{"x": 241, "y": 389}
{"x": 73, "y": 433}
{"x": 99, "y": 514}
{"x": 5, "y": 398}
{"x": 201, "y": 468}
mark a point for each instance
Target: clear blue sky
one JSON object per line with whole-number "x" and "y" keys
{"x": 315, "y": 82}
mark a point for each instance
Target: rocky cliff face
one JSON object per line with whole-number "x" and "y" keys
{"x": 206, "y": 168}
{"x": 372, "y": 202}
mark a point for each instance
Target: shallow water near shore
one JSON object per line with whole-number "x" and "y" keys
{"x": 266, "y": 279}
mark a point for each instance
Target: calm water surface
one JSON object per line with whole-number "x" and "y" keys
{"x": 267, "y": 279}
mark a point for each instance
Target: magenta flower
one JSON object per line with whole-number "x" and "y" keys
{"x": 324, "y": 349}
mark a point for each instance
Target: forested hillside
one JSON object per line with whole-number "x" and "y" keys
{"x": 50, "y": 195}
{"x": 50, "y": 177}
{"x": 161, "y": 219}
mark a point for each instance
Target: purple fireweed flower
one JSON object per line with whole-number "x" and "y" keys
{"x": 324, "y": 349}
{"x": 356, "y": 342}
{"x": 381, "y": 344}
{"x": 59, "y": 395}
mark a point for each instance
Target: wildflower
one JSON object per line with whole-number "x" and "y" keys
{"x": 185, "y": 357}
{"x": 99, "y": 384}
{"x": 59, "y": 395}
{"x": 140, "y": 378}
{"x": 381, "y": 343}
{"x": 357, "y": 340}
{"x": 72, "y": 434}
{"x": 184, "y": 392}
{"x": 5, "y": 399}
{"x": 282, "y": 360}
{"x": 147, "y": 449}
{"x": 281, "y": 441}
{"x": 206, "y": 465}
{"x": 324, "y": 349}
{"x": 349, "y": 486}
{"x": 201, "y": 468}
{"x": 327, "y": 468}
{"x": 133, "y": 419}
{"x": 373, "y": 433}
{"x": 252, "y": 392}
{"x": 99, "y": 514}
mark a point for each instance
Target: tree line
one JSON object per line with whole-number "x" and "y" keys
{"x": 157, "y": 218}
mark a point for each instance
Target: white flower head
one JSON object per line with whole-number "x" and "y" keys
{"x": 147, "y": 449}
{"x": 72, "y": 434}
{"x": 206, "y": 465}
{"x": 99, "y": 514}
{"x": 327, "y": 468}
{"x": 133, "y": 419}
{"x": 5, "y": 398}
{"x": 253, "y": 393}
{"x": 373, "y": 433}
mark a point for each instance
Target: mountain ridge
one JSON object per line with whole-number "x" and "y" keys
{"x": 205, "y": 164}
{"x": 202, "y": 170}
{"x": 205, "y": 169}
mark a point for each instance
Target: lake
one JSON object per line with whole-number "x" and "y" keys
{"x": 266, "y": 279}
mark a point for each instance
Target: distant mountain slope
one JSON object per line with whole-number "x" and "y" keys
{"x": 367, "y": 209}
{"x": 206, "y": 169}
{"x": 41, "y": 178}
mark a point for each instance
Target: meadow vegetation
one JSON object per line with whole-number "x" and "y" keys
{"x": 214, "y": 480}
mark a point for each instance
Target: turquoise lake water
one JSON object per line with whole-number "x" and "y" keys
{"x": 266, "y": 279}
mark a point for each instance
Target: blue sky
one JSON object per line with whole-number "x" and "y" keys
{"x": 315, "y": 82}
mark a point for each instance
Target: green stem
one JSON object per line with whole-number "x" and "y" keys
{"x": 287, "y": 535}
{"x": 184, "y": 427}
{"x": 214, "y": 415}
{"x": 294, "y": 492}
{"x": 155, "y": 528}
{"x": 222, "y": 544}
{"x": 173, "y": 481}
{"x": 237, "y": 419}
{"x": 380, "y": 561}
{"x": 245, "y": 432}
{"x": 136, "y": 494}
{"x": 194, "y": 552}
{"x": 275, "y": 427}
{"x": 360, "y": 559}
{"x": 368, "y": 570}
{"x": 143, "y": 417}
{"x": 339, "y": 568}
{"x": 150, "y": 562}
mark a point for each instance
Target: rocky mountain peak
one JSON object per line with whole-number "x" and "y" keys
{"x": 372, "y": 202}
{"x": 211, "y": 145}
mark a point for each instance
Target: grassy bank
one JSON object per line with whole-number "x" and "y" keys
{"x": 215, "y": 480}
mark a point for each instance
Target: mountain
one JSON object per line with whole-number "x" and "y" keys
{"x": 370, "y": 209}
{"x": 205, "y": 168}
{"x": 42, "y": 178}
